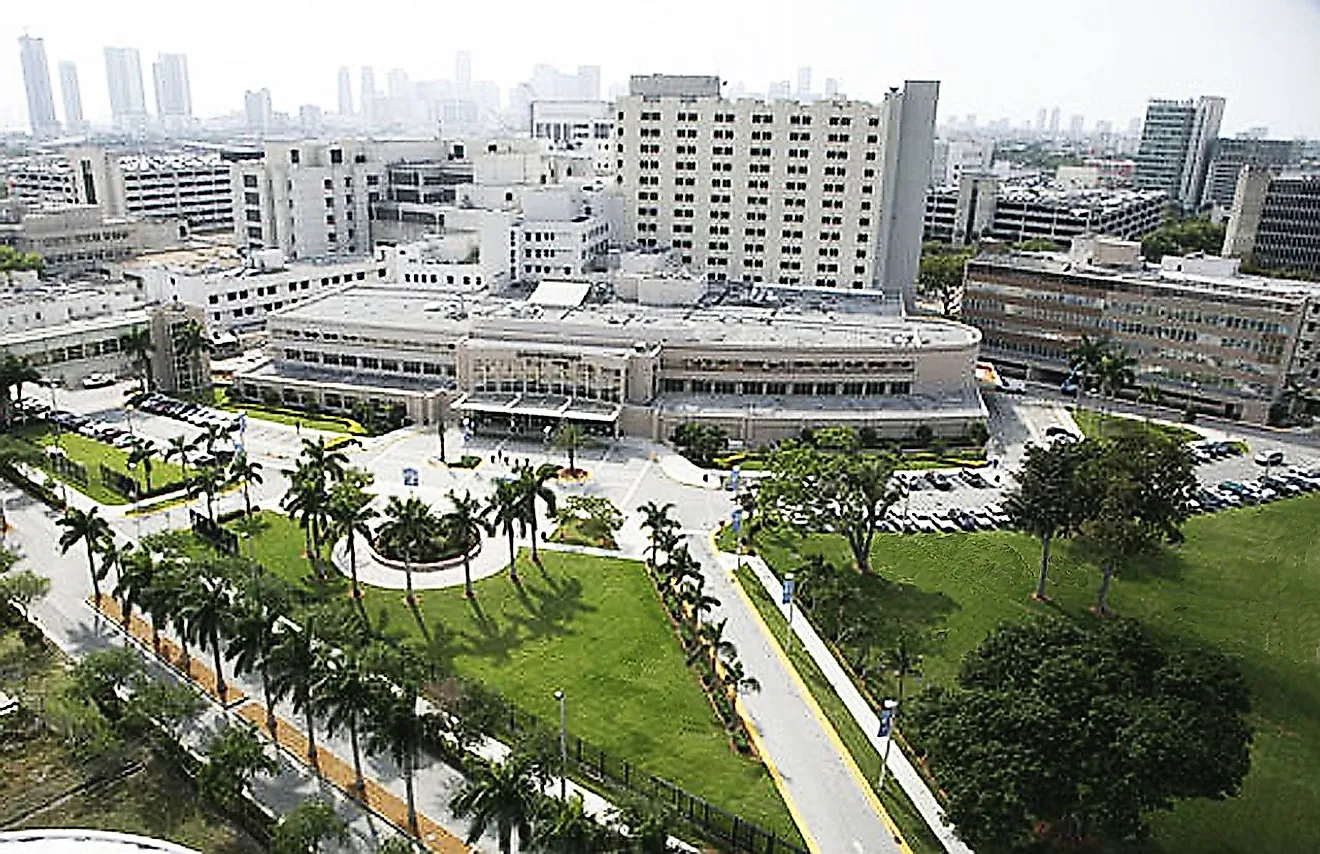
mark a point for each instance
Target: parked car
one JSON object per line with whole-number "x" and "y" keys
{"x": 973, "y": 478}
{"x": 1057, "y": 433}
{"x": 98, "y": 380}
{"x": 939, "y": 480}
{"x": 1270, "y": 458}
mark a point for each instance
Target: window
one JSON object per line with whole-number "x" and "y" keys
{"x": 250, "y": 181}
{"x": 336, "y": 156}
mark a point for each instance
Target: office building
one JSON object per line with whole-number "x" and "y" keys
{"x": 954, "y": 158}
{"x": 80, "y": 239}
{"x": 979, "y": 206}
{"x": 36, "y": 84}
{"x": 1202, "y": 332}
{"x": 1232, "y": 154}
{"x": 123, "y": 75}
{"x": 1177, "y": 141}
{"x": 257, "y": 111}
{"x": 367, "y": 95}
{"x": 635, "y": 353}
{"x": 71, "y": 94}
{"x": 829, "y": 193}
{"x": 1275, "y": 223}
{"x": 345, "y": 92}
{"x": 173, "y": 94}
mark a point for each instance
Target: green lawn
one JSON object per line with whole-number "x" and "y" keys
{"x": 291, "y": 417}
{"x": 93, "y": 454}
{"x": 591, "y": 626}
{"x": 1246, "y": 582}
{"x": 1095, "y": 424}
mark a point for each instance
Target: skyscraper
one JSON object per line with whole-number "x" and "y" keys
{"x": 173, "y": 95}
{"x": 367, "y": 94}
{"x": 1177, "y": 140}
{"x": 71, "y": 94}
{"x": 36, "y": 80}
{"x": 804, "y": 83}
{"x": 463, "y": 71}
{"x": 1040, "y": 120}
{"x": 1054, "y": 122}
{"x": 257, "y": 110}
{"x": 123, "y": 75}
{"x": 345, "y": 92}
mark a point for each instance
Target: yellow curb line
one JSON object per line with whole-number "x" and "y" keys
{"x": 849, "y": 762}
{"x": 778, "y": 779}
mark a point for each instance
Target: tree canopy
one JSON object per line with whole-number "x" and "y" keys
{"x": 940, "y": 277}
{"x": 1059, "y": 734}
{"x": 700, "y": 443}
{"x": 1181, "y": 237}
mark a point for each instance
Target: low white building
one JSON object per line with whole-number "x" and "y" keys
{"x": 76, "y": 239}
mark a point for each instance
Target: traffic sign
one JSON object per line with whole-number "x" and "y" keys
{"x": 411, "y": 477}
{"x": 789, "y": 586}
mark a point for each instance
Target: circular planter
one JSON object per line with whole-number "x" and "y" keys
{"x": 435, "y": 566}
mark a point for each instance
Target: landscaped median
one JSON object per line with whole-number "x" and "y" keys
{"x": 91, "y": 455}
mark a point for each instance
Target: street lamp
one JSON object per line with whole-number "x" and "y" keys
{"x": 564, "y": 747}
{"x": 888, "y": 717}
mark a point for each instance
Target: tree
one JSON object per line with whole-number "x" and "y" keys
{"x": 408, "y": 523}
{"x": 139, "y": 347}
{"x": 344, "y": 690}
{"x": 1117, "y": 371}
{"x": 208, "y": 611}
{"x": 656, "y": 519}
{"x": 292, "y": 663}
{"x": 1085, "y": 358}
{"x": 569, "y": 437}
{"x": 350, "y": 514}
{"x": 254, "y": 632}
{"x": 1048, "y": 501}
{"x": 91, "y": 529}
{"x": 207, "y": 481}
{"x": 234, "y": 757}
{"x": 14, "y": 372}
{"x": 309, "y": 826}
{"x": 137, "y": 572}
{"x": 142, "y": 452}
{"x": 647, "y": 824}
{"x": 533, "y": 487}
{"x": 563, "y": 827}
{"x": 1181, "y": 237}
{"x": 466, "y": 524}
{"x": 1138, "y": 487}
{"x": 394, "y": 726}
{"x": 940, "y": 277}
{"x": 180, "y": 448}
{"x": 502, "y": 794}
{"x": 246, "y": 471}
{"x": 505, "y": 507}
{"x": 1151, "y": 397}
{"x": 845, "y": 494}
{"x": 700, "y": 443}
{"x": 192, "y": 342}
{"x": 306, "y": 502}
{"x": 12, "y": 259}
{"x": 21, "y": 589}
{"x": 162, "y": 595}
{"x": 325, "y": 462}
{"x": 1079, "y": 730}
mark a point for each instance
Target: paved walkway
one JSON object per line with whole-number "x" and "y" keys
{"x": 899, "y": 765}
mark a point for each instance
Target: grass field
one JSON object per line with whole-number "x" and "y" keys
{"x": 1246, "y": 582}
{"x": 93, "y": 454}
{"x": 1096, "y": 424}
{"x": 590, "y": 626}
{"x": 291, "y": 417}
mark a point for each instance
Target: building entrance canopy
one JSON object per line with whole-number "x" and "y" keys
{"x": 524, "y": 411}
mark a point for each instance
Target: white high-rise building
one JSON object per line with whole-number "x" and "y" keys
{"x": 71, "y": 94}
{"x": 1177, "y": 143}
{"x": 123, "y": 75}
{"x": 804, "y": 83}
{"x": 173, "y": 94}
{"x": 345, "y": 92}
{"x": 463, "y": 71}
{"x": 257, "y": 110}
{"x": 830, "y": 193}
{"x": 36, "y": 82}
{"x": 367, "y": 94}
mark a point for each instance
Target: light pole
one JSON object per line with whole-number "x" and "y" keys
{"x": 563, "y": 746}
{"x": 888, "y": 717}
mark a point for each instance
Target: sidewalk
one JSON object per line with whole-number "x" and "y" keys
{"x": 899, "y": 765}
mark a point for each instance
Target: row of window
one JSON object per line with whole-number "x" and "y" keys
{"x": 676, "y": 385}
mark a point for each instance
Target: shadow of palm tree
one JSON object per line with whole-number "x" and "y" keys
{"x": 489, "y": 640}
{"x": 551, "y": 607}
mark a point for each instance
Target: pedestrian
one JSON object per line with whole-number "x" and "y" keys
{"x": 297, "y": 425}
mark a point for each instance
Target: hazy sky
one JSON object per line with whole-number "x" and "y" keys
{"x": 1101, "y": 59}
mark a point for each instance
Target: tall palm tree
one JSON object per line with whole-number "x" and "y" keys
{"x": 1085, "y": 359}
{"x": 182, "y": 591}
{"x": 656, "y": 519}
{"x": 112, "y": 557}
{"x": 293, "y": 663}
{"x": 137, "y": 344}
{"x": 327, "y": 463}
{"x": 162, "y": 596}
{"x": 89, "y": 528}
{"x": 568, "y": 438}
{"x": 712, "y": 642}
{"x": 466, "y": 523}
{"x": 207, "y": 481}
{"x": 247, "y": 472}
{"x": 505, "y": 512}
{"x": 258, "y": 613}
{"x": 142, "y": 452}
{"x": 343, "y": 692}
{"x": 533, "y": 484}
{"x": 14, "y": 372}
{"x": 394, "y": 728}
{"x": 502, "y": 794}
{"x": 208, "y": 611}
{"x": 192, "y": 341}
{"x": 137, "y": 573}
{"x": 408, "y": 524}
{"x": 1151, "y": 397}
{"x": 180, "y": 447}
{"x": 563, "y": 827}
{"x": 1117, "y": 371}
{"x": 306, "y": 501}
{"x": 350, "y": 514}
{"x": 694, "y": 595}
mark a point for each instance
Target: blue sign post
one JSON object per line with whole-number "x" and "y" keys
{"x": 411, "y": 477}
{"x": 888, "y": 716}
{"x": 789, "y": 587}
{"x": 737, "y": 521}
{"x": 735, "y": 474}
{"x": 886, "y": 722}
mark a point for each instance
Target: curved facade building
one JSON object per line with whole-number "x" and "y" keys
{"x": 78, "y": 841}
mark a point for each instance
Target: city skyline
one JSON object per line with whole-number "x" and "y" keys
{"x": 990, "y": 62}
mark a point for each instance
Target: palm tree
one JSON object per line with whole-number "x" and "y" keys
{"x": 306, "y": 501}
{"x": 563, "y": 827}
{"x": 657, "y": 520}
{"x": 711, "y": 640}
{"x": 292, "y": 664}
{"x": 208, "y": 611}
{"x": 344, "y": 690}
{"x": 14, "y": 371}
{"x": 350, "y": 514}
{"x": 505, "y": 509}
{"x": 326, "y": 463}
{"x": 137, "y": 344}
{"x": 502, "y": 794}
{"x": 211, "y": 436}
{"x": 180, "y": 447}
{"x": 137, "y": 573}
{"x": 395, "y": 729}
{"x": 408, "y": 524}
{"x": 162, "y": 596}
{"x": 143, "y": 452}
{"x": 694, "y": 595}
{"x": 207, "y": 481}
{"x": 1085, "y": 359}
{"x": 181, "y": 592}
{"x": 533, "y": 484}
{"x": 192, "y": 341}
{"x": 1150, "y": 397}
{"x": 252, "y": 636}
{"x": 1116, "y": 372}
{"x": 112, "y": 556}
{"x": 90, "y": 528}
{"x": 466, "y": 523}
{"x": 247, "y": 472}
{"x": 737, "y": 680}
{"x": 568, "y": 438}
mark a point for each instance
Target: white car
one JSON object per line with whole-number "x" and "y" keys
{"x": 1270, "y": 458}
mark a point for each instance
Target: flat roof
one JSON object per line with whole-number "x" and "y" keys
{"x": 560, "y": 294}
{"x": 75, "y": 327}
{"x": 78, "y": 841}
{"x": 786, "y": 317}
